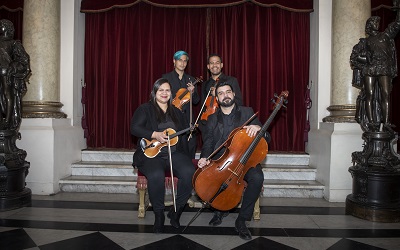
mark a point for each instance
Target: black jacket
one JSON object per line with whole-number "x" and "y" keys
{"x": 215, "y": 127}
{"x": 177, "y": 84}
{"x": 144, "y": 123}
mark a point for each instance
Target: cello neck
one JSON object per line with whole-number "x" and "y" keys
{"x": 278, "y": 104}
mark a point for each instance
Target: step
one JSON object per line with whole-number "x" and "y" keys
{"x": 125, "y": 156}
{"x": 278, "y": 172}
{"x": 110, "y": 171}
{"x": 127, "y": 184}
{"x": 103, "y": 168}
{"x": 99, "y": 184}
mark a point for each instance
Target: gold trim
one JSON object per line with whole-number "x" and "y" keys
{"x": 32, "y": 109}
{"x": 198, "y": 6}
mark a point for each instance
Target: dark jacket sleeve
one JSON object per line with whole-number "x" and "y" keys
{"x": 209, "y": 140}
{"x": 141, "y": 123}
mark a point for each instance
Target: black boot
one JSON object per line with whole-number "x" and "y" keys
{"x": 175, "y": 216}
{"x": 159, "y": 219}
{"x": 217, "y": 218}
{"x": 241, "y": 228}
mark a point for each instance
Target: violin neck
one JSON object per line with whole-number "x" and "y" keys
{"x": 179, "y": 133}
{"x": 186, "y": 91}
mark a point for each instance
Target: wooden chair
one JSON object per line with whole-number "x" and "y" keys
{"x": 143, "y": 203}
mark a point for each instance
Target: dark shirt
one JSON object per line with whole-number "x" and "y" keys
{"x": 177, "y": 84}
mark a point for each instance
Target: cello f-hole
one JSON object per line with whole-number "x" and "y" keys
{"x": 225, "y": 165}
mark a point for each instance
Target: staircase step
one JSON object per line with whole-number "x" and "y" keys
{"x": 293, "y": 189}
{"x": 126, "y": 156}
{"x": 99, "y": 184}
{"x": 127, "y": 184}
{"x": 110, "y": 171}
{"x": 103, "y": 168}
{"x": 291, "y": 172}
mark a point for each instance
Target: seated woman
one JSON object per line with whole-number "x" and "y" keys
{"x": 149, "y": 121}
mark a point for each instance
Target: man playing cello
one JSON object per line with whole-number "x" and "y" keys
{"x": 219, "y": 126}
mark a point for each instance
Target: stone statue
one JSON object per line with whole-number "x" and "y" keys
{"x": 14, "y": 70}
{"x": 374, "y": 65}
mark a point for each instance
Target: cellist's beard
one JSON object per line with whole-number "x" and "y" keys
{"x": 226, "y": 104}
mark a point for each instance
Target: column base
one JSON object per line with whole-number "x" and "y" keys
{"x": 33, "y": 109}
{"x": 341, "y": 113}
{"x": 376, "y": 195}
{"x": 17, "y": 200}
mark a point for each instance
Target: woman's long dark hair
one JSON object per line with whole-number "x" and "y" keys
{"x": 160, "y": 115}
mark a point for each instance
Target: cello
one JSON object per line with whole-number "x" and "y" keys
{"x": 220, "y": 184}
{"x": 210, "y": 104}
{"x": 183, "y": 95}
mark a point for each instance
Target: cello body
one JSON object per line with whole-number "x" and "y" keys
{"x": 220, "y": 183}
{"x": 228, "y": 170}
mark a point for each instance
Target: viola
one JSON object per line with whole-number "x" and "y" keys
{"x": 220, "y": 183}
{"x": 153, "y": 147}
{"x": 183, "y": 95}
{"x": 211, "y": 104}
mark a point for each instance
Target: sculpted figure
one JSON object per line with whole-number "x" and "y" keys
{"x": 14, "y": 69}
{"x": 374, "y": 65}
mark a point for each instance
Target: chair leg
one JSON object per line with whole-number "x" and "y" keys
{"x": 142, "y": 205}
{"x": 256, "y": 212}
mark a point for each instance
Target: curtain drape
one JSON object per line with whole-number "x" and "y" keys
{"x": 267, "y": 49}
{"x": 127, "y": 49}
{"x": 88, "y": 6}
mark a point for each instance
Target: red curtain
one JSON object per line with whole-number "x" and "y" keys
{"x": 127, "y": 49}
{"x": 267, "y": 49}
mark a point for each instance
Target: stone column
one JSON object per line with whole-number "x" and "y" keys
{"x": 348, "y": 26}
{"x": 41, "y": 39}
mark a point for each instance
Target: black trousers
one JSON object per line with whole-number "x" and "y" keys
{"x": 154, "y": 170}
{"x": 255, "y": 179}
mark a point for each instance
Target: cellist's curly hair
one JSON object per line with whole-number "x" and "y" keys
{"x": 9, "y": 26}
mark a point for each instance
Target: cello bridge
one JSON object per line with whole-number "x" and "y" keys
{"x": 230, "y": 170}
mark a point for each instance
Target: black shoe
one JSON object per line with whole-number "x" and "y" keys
{"x": 175, "y": 216}
{"x": 217, "y": 218}
{"x": 159, "y": 219}
{"x": 241, "y": 228}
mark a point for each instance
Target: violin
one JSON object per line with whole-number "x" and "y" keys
{"x": 183, "y": 95}
{"x": 211, "y": 103}
{"x": 153, "y": 147}
{"x": 220, "y": 183}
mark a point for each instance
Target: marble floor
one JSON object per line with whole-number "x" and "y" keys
{"x": 109, "y": 221}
